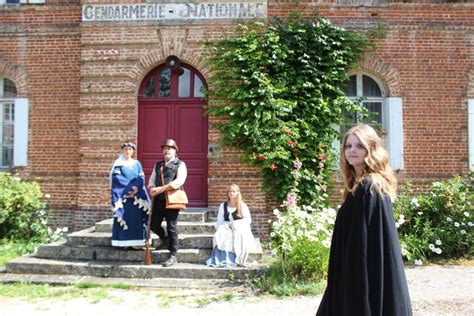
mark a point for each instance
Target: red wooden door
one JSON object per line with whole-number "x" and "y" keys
{"x": 171, "y": 105}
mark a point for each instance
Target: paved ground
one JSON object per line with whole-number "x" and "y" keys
{"x": 434, "y": 290}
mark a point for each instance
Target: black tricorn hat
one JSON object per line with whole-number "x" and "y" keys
{"x": 170, "y": 143}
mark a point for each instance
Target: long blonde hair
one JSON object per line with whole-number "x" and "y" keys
{"x": 377, "y": 167}
{"x": 239, "y": 198}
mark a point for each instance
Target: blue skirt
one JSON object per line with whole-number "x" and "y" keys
{"x": 219, "y": 259}
{"x": 135, "y": 233}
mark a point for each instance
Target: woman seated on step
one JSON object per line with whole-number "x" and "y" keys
{"x": 130, "y": 201}
{"x": 233, "y": 240}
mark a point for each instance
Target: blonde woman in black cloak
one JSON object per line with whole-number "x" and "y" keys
{"x": 366, "y": 273}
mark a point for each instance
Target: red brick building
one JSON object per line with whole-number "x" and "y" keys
{"x": 79, "y": 77}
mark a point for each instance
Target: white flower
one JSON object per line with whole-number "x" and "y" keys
{"x": 272, "y": 234}
{"x": 420, "y": 213}
{"x": 470, "y": 224}
{"x": 414, "y": 201}
{"x": 47, "y": 195}
{"x": 418, "y": 262}
{"x": 276, "y": 212}
{"x": 438, "y": 242}
{"x": 456, "y": 224}
{"x": 404, "y": 251}
{"x": 466, "y": 214}
{"x": 438, "y": 251}
{"x": 463, "y": 231}
{"x": 326, "y": 243}
{"x": 432, "y": 247}
{"x": 65, "y": 229}
{"x": 400, "y": 221}
{"x": 449, "y": 219}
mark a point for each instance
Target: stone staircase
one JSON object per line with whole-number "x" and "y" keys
{"x": 88, "y": 253}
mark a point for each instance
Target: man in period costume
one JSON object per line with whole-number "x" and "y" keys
{"x": 174, "y": 175}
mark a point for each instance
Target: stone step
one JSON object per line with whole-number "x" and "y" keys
{"x": 105, "y": 226}
{"x": 32, "y": 265}
{"x": 90, "y": 237}
{"x": 193, "y": 215}
{"x": 60, "y": 250}
{"x": 165, "y": 283}
{"x": 68, "y": 252}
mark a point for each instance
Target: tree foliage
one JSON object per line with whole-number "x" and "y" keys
{"x": 278, "y": 90}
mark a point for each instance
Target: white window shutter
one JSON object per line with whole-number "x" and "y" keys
{"x": 470, "y": 106}
{"x": 20, "y": 136}
{"x": 393, "y": 124}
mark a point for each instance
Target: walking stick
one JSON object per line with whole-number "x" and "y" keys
{"x": 147, "y": 240}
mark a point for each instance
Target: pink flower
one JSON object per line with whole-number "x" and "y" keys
{"x": 295, "y": 171}
{"x": 297, "y": 164}
{"x": 291, "y": 199}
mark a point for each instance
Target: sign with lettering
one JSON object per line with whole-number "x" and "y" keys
{"x": 173, "y": 11}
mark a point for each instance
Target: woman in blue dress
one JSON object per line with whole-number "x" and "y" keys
{"x": 130, "y": 201}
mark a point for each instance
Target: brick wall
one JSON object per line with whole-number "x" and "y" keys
{"x": 82, "y": 82}
{"x": 39, "y": 51}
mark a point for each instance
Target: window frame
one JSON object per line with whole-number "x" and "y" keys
{"x": 20, "y": 2}
{"x": 174, "y": 83}
{"x": 20, "y": 127}
{"x": 470, "y": 111}
{"x": 359, "y": 93}
{"x": 391, "y": 119}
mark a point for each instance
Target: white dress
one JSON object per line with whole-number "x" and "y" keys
{"x": 233, "y": 240}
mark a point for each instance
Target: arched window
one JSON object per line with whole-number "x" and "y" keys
{"x": 365, "y": 87}
{"x": 384, "y": 111}
{"x": 7, "y": 110}
{"x": 183, "y": 82}
{"x": 13, "y": 126}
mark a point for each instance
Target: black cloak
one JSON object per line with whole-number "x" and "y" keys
{"x": 366, "y": 273}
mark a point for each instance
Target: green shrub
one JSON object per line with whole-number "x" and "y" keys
{"x": 273, "y": 282}
{"x": 437, "y": 224}
{"x": 301, "y": 235}
{"x": 23, "y": 216}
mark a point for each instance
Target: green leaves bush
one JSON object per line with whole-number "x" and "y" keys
{"x": 23, "y": 216}
{"x": 277, "y": 91}
{"x": 301, "y": 234}
{"x": 438, "y": 224}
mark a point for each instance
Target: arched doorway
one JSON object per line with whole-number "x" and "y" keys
{"x": 171, "y": 105}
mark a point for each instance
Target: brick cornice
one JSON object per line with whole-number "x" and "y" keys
{"x": 17, "y": 74}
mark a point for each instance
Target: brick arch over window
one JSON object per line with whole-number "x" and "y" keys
{"x": 177, "y": 41}
{"x": 386, "y": 72}
{"x": 17, "y": 74}
{"x": 156, "y": 57}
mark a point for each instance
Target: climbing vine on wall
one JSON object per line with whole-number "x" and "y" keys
{"x": 278, "y": 89}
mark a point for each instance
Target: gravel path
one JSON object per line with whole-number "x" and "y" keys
{"x": 434, "y": 290}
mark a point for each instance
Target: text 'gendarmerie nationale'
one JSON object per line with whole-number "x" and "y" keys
{"x": 169, "y": 11}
